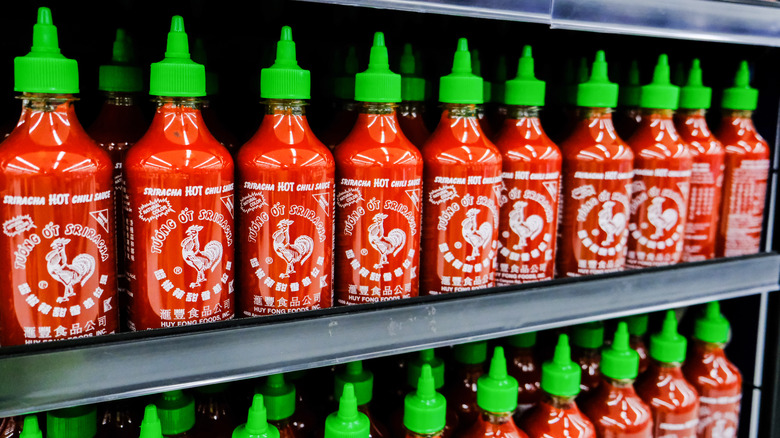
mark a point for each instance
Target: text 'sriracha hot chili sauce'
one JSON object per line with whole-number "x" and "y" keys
{"x": 462, "y": 187}
{"x": 425, "y": 410}
{"x": 628, "y": 115}
{"x": 747, "y": 170}
{"x": 531, "y": 177}
{"x": 257, "y": 424}
{"x": 378, "y": 194}
{"x": 662, "y": 177}
{"x": 57, "y": 209}
{"x": 285, "y": 199}
{"x": 597, "y": 167}
{"x": 410, "y": 112}
{"x": 179, "y": 206}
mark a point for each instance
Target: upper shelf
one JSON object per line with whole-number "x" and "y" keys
{"x": 47, "y": 376}
{"x": 703, "y": 20}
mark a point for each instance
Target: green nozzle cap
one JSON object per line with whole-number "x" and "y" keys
{"x": 177, "y": 412}
{"x": 598, "y": 91}
{"x": 120, "y": 75}
{"x": 412, "y": 87}
{"x": 630, "y": 92}
{"x": 590, "y": 335}
{"x": 256, "y": 425}
{"x": 285, "y": 79}
{"x": 741, "y": 96}
{"x": 30, "y": 429}
{"x": 425, "y": 410}
{"x": 461, "y": 86}
{"x": 151, "y": 427}
{"x": 499, "y": 85}
{"x": 525, "y": 89}
{"x": 426, "y": 357}
{"x": 668, "y": 346}
{"x": 177, "y": 75}
{"x": 694, "y": 94}
{"x": 620, "y": 361}
{"x": 347, "y": 422}
{"x": 361, "y": 379}
{"x": 345, "y": 85}
{"x": 279, "y": 397}
{"x": 78, "y": 422}
{"x": 471, "y": 353}
{"x": 378, "y": 83}
{"x": 497, "y": 390}
{"x": 712, "y": 326}
{"x": 523, "y": 340}
{"x": 660, "y": 93}
{"x": 44, "y": 69}
{"x": 561, "y": 376}
{"x": 637, "y": 324}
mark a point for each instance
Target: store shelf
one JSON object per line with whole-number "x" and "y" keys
{"x": 76, "y": 372}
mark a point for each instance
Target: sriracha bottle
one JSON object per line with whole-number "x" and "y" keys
{"x": 747, "y": 170}
{"x": 716, "y": 379}
{"x": 425, "y": 410}
{"x": 75, "y": 422}
{"x": 614, "y": 408}
{"x": 587, "y": 340}
{"x": 179, "y": 204}
{"x": 363, "y": 381}
{"x": 410, "y": 112}
{"x": 285, "y": 186}
{"x": 525, "y": 368}
{"x": 348, "y": 421}
{"x": 151, "y": 426}
{"x": 597, "y": 168}
{"x": 637, "y": 328}
{"x": 462, "y": 186}
{"x": 531, "y": 178}
{"x": 378, "y": 185}
{"x": 257, "y": 424}
{"x": 707, "y": 173}
{"x": 279, "y": 399}
{"x": 214, "y": 415}
{"x": 673, "y": 401}
{"x": 662, "y": 177}
{"x": 58, "y": 208}
{"x": 10, "y": 427}
{"x": 469, "y": 366}
{"x": 628, "y": 114}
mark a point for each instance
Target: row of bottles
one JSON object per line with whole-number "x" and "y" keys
{"x": 351, "y": 226}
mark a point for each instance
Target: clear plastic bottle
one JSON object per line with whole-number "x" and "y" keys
{"x": 410, "y": 111}
{"x": 348, "y": 421}
{"x": 526, "y": 369}
{"x": 587, "y": 340}
{"x": 425, "y": 410}
{"x": 214, "y": 416}
{"x": 257, "y": 424}
{"x": 362, "y": 381}
{"x": 279, "y": 399}
{"x": 469, "y": 365}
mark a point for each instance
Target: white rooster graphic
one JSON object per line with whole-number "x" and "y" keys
{"x": 390, "y": 244}
{"x": 525, "y": 227}
{"x": 203, "y": 260}
{"x": 662, "y": 220}
{"x": 477, "y": 237}
{"x": 78, "y": 271}
{"x": 291, "y": 253}
{"x": 612, "y": 224}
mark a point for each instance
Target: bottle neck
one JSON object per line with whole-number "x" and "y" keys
{"x": 285, "y": 107}
{"x": 459, "y": 110}
{"x": 737, "y": 114}
{"x": 710, "y": 347}
{"x": 118, "y": 98}
{"x": 497, "y": 417}
{"x": 619, "y": 383}
{"x": 587, "y": 113}
{"x": 194, "y": 103}
{"x": 650, "y": 113}
{"x": 738, "y": 119}
{"x": 688, "y": 112}
{"x": 45, "y": 102}
{"x": 559, "y": 402}
{"x": 412, "y": 434}
{"x": 377, "y": 108}
{"x": 667, "y": 367}
{"x": 411, "y": 108}
{"x": 522, "y": 112}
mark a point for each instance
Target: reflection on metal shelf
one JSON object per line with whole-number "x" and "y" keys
{"x": 101, "y": 369}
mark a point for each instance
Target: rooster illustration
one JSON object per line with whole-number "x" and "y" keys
{"x": 297, "y": 252}
{"x": 390, "y": 244}
{"x": 525, "y": 228}
{"x": 77, "y": 271}
{"x": 612, "y": 224}
{"x": 204, "y": 260}
{"x": 662, "y": 220}
{"x": 477, "y": 237}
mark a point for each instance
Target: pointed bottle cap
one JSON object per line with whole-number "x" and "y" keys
{"x": 347, "y": 422}
{"x": 345, "y": 84}
{"x": 525, "y": 89}
{"x": 461, "y": 86}
{"x": 177, "y": 412}
{"x": 590, "y": 335}
{"x": 425, "y": 410}
{"x": 378, "y": 83}
{"x": 44, "y": 69}
{"x": 741, "y": 96}
{"x": 285, "y": 79}
{"x": 660, "y": 93}
{"x": 561, "y": 376}
{"x": 177, "y": 75}
{"x": 470, "y": 353}
{"x": 668, "y": 346}
{"x": 120, "y": 75}
{"x": 426, "y": 357}
{"x": 30, "y": 429}
{"x": 279, "y": 397}
{"x": 498, "y": 91}
{"x": 631, "y": 90}
{"x": 151, "y": 427}
{"x": 497, "y": 390}
{"x": 412, "y": 86}
{"x": 361, "y": 379}
{"x": 712, "y": 326}
{"x": 694, "y": 95}
{"x": 598, "y": 91}
{"x": 256, "y": 425}
{"x": 77, "y": 422}
{"x": 620, "y": 361}
{"x": 523, "y": 340}
{"x": 637, "y": 324}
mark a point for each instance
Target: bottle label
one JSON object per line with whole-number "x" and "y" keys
{"x": 672, "y": 425}
{"x": 703, "y": 208}
{"x": 719, "y": 416}
{"x": 745, "y": 190}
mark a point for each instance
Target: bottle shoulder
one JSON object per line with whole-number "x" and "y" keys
{"x": 156, "y": 153}
{"x": 268, "y": 152}
{"x": 23, "y": 154}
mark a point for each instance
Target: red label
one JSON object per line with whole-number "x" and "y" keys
{"x": 744, "y": 190}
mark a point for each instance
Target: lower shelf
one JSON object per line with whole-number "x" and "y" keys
{"x": 42, "y": 377}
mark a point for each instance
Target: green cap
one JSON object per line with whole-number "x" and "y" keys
{"x": 345, "y": 85}
{"x": 694, "y": 94}
{"x": 120, "y": 75}
{"x": 426, "y": 357}
{"x": 598, "y": 91}
{"x": 378, "y": 83}
{"x": 620, "y": 361}
{"x": 668, "y": 346}
{"x": 30, "y": 429}
{"x": 284, "y": 79}
{"x": 412, "y": 86}
{"x": 425, "y": 410}
{"x": 361, "y": 379}
{"x": 497, "y": 390}
{"x": 177, "y": 75}
{"x": 523, "y": 340}
{"x": 177, "y": 412}
{"x": 660, "y": 93}
{"x": 590, "y": 335}
{"x": 637, "y": 324}
{"x": 631, "y": 90}
{"x": 461, "y": 86}
{"x": 279, "y": 397}
{"x": 499, "y": 85}
{"x": 561, "y": 376}
{"x": 471, "y": 353}
{"x": 712, "y": 326}
{"x": 348, "y": 422}
{"x": 525, "y": 89}
{"x": 44, "y": 69}
{"x": 151, "y": 427}
{"x": 77, "y": 422}
{"x": 741, "y": 96}
{"x": 256, "y": 425}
